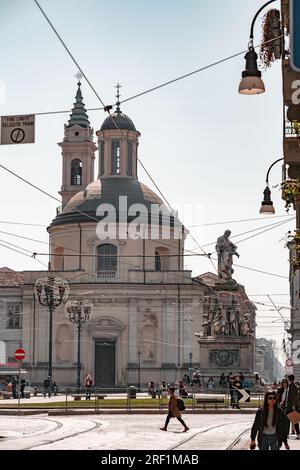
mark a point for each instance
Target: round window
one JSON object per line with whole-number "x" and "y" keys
{"x": 76, "y": 133}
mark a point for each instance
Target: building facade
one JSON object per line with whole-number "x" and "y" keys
{"x": 119, "y": 246}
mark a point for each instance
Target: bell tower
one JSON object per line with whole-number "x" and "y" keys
{"x": 118, "y": 145}
{"x": 78, "y": 151}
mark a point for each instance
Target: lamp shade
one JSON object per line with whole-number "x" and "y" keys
{"x": 251, "y": 83}
{"x": 267, "y": 205}
{"x": 267, "y": 209}
{"x": 251, "y": 86}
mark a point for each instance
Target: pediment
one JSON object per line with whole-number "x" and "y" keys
{"x": 106, "y": 324}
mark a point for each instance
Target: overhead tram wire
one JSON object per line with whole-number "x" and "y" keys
{"x": 213, "y": 64}
{"x": 187, "y": 252}
{"x": 244, "y": 267}
{"x": 113, "y": 120}
{"x": 273, "y": 225}
{"x": 11, "y": 222}
{"x": 106, "y": 108}
{"x": 147, "y": 91}
{"x": 238, "y": 221}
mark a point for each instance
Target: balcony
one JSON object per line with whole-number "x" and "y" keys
{"x": 106, "y": 275}
{"x": 291, "y": 148}
{"x": 289, "y": 76}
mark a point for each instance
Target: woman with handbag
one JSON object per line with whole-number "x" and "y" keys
{"x": 174, "y": 411}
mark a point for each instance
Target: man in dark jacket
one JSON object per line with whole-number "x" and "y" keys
{"x": 47, "y": 387}
{"x": 292, "y": 401}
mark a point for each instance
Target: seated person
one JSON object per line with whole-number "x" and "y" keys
{"x": 163, "y": 386}
{"x": 182, "y": 390}
{"x": 151, "y": 389}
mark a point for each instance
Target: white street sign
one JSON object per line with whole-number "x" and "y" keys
{"x": 244, "y": 397}
{"x": 17, "y": 129}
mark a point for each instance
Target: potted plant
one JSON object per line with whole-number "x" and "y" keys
{"x": 289, "y": 190}
{"x": 271, "y": 48}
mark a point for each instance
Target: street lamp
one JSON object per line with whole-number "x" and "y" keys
{"x": 191, "y": 357}
{"x": 78, "y": 312}
{"x": 51, "y": 292}
{"x": 267, "y": 205}
{"x": 251, "y": 83}
{"x": 139, "y": 369}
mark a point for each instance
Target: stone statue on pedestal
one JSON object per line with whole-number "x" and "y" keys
{"x": 219, "y": 323}
{"x": 245, "y": 326}
{"x": 225, "y": 250}
{"x": 206, "y": 325}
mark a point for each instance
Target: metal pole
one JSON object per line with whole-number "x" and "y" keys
{"x": 50, "y": 344}
{"x": 255, "y": 17}
{"x": 139, "y": 371}
{"x": 19, "y": 382}
{"x": 78, "y": 359}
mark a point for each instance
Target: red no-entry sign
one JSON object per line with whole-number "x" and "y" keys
{"x": 20, "y": 354}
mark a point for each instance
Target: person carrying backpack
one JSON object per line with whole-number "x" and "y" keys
{"x": 174, "y": 411}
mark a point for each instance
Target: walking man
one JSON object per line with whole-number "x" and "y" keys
{"x": 173, "y": 411}
{"x": 47, "y": 387}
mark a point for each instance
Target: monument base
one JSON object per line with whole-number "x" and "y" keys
{"x": 226, "y": 354}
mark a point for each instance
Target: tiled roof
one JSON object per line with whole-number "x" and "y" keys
{"x": 10, "y": 278}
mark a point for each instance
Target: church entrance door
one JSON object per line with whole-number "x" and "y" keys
{"x": 105, "y": 354}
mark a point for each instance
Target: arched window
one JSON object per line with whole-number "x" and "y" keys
{"x": 162, "y": 259}
{"x": 115, "y": 157}
{"x": 107, "y": 257}
{"x": 76, "y": 172}
{"x": 157, "y": 261}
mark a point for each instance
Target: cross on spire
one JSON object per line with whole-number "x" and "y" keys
{"x": 79, "y": 76}
{"x": 118, "y": 86}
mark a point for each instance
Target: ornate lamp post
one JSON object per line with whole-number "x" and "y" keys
{"x": 267, "y": 205}
{"x": 51, "y": 292}
{"x": 191, "y": 357}
{"x": 139, "y": 369}
{"x": 78, "y": 312}
{"x": 251, "y": 83}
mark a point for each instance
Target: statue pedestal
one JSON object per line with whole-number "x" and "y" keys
{"x": 229, "y": 285}
{"x": 226, "y": 354}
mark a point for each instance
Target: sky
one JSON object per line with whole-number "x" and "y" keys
{"x": 207, "y": 147}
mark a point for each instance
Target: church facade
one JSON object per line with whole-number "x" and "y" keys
{"x": 120, "y": 247}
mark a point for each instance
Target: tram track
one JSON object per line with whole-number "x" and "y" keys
{"x": 36, "y": 433}
{"x": 74, "y": 434}
{"x": 229, "y": 447}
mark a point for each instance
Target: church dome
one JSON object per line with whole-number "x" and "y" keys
{"x": 118, "y": 120}
{"x": 83, "y": 206}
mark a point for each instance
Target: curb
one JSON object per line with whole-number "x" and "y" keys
{"x": 140, "y": 411}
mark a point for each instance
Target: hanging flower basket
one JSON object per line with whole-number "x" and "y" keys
{"x": 295, "y": 262}
{"x": 289, "y": 190}
{"x": 271, "y": 48}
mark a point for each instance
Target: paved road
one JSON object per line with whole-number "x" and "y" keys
{"x": 112, "y": 432}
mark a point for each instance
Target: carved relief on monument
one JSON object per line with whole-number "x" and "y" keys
{"x": 224, "y": 357}
{"x": 225, "y": 320}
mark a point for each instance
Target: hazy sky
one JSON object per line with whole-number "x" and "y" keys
{"x": 207, "y": 147}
